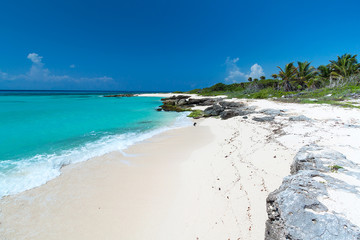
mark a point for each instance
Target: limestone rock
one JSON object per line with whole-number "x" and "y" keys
{"x": 295, "y": 211}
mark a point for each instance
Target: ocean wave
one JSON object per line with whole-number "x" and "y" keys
{"x": 21, "y": 175}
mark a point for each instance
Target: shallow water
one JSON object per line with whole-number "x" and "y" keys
{"x": 41, "y": 132}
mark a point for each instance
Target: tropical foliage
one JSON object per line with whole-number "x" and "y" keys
{"x": 344, "y": 66}
{"x": 336, "y": 80}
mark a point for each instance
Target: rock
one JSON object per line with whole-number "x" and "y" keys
{"x": 208, "y": 102}
{"x": 181, "y": 101}
{"x": 295, "y": 210}
{"x": 264, "y": 119}
{"x": 214, "y": 110}
{"x": 202, "y": 101}
{"x": 299, "y": 118}
{"x": 272, "y": 112}
{"x": 227, "y": 105}
{"x": 314, "y": 157}
{"x": 229, "y": 114}
{"x": 170, "y": 106}
{"x": 245, "y": 117}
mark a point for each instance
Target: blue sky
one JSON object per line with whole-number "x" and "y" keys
{"x": 166, "y": 45}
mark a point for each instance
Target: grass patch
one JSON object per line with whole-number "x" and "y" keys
{"x": 196, "y": 114}
{"x": 335, "y": 168}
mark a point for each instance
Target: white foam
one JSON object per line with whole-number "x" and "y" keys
{"x": 33, "y": 172}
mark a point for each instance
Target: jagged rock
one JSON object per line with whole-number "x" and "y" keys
{"x": 314, "y": 157}
{"x": 295, "y": 210}
{"x": 214, "y": 110}
{"x": 264, "y": 119}
{"x": 181, "y": 101}
{"x": 170, "y": 106}
{"x": 299, "y": 118}
{"x": 208, "y": 102}
{"x": 228, "y": 105}
{"x": 229, "y": 114}
{"x": 202, "y": 101}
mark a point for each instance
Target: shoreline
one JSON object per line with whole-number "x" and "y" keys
{"x": 205, "y": 182}
{"x": 84, "y": 189}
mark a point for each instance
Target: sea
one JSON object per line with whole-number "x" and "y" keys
{"x": 42, "y": 131}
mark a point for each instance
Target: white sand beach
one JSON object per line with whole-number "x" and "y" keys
{"x": 205, "y": 182}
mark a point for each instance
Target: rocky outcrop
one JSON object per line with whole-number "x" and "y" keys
{"x": 217, "y": 106}
{"x": 214, "y": 110}
{"x": 296, "y": 209}
{"x": 184, "y": 103}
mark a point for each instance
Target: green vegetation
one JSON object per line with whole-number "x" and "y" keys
{"x": 196, "y": 114}
{"x": 332, "y": 84}
{"x": 170, "y": 106}
{"x": 335, "y": 168}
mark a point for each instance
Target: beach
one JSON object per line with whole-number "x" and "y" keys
{"x": 210, "y": 181}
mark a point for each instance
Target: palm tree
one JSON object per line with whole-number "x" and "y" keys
{"x": 250, "y": 79}
{"x": 305, "y": 72}
{"x": 288, "y": 74}
{"x": 262, "y": 78}
{"x": 275, "y": 76}
{"x": 324, "y": 72}
{"x": 344, "y": 66}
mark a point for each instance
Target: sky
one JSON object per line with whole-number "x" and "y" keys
{"x": 166, "y": 45}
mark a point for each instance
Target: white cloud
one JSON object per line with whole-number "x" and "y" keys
{"x": 38, "y": 73}
{"x": 235, "y": 75}
{"x": 35, "y": 58}
{"x": 233, "y": 71}
{"x": 256, "y": 71}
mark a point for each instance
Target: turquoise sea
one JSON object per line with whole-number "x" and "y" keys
{"x": 42, "y": 131}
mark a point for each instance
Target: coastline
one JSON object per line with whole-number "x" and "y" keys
{"x": 205, "y": 182}
{"x": 112, "y": 195}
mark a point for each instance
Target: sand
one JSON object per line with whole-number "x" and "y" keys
{"x": 205, "y": 182}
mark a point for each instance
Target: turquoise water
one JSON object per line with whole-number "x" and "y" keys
{"x": 41, "y": 132}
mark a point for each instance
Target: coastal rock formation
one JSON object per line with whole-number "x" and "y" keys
{"x": 301, "y": 209}
{"x": 228, "y": 105}
{"x": 217, "y": 106}
{"x": 214, "y": 110}
{"x": 184, "y": 103}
